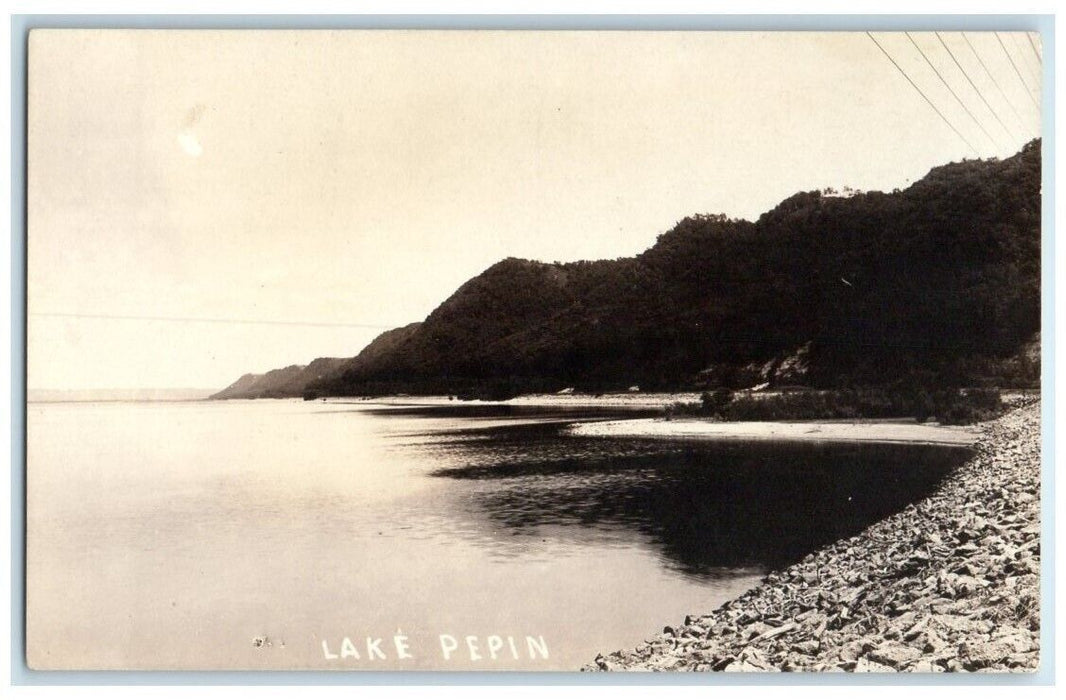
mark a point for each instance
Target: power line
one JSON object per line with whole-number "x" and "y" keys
{"x": 957, "y": 98}
{"x": 1036, "y": 64}
{"x": 1017, "y": 72}
{"x": 1039, "y": 60}
{"x": 189, "y": 319}
{"x": 1023, "y": 58}
{"x": 924, "y": 97}
{"x": 995, "y": 82}
{"x": 974, "y": 86}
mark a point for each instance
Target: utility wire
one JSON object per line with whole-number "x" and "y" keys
{"x": 1017, "y": 72}
{"x": 953, "y": 94}
{"x": 924, "y": 96}
{"x": 1039, "y": 60}
{"x": 1036, "y": 64}
{"x": 210, "y": 320}
{"x": 995, "y": 82}
{"x": 974, "y": 86}
{"x": 1023, "y": 58}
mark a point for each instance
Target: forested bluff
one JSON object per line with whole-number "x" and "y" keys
{"x": 936, "y": 285}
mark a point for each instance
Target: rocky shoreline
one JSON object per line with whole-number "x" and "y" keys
{"x": 951, "y": 583}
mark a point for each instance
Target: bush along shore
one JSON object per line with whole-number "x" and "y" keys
{"x": 948, "y": 406}
{"x": 950, "y": 583}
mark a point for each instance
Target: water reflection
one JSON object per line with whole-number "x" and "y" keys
{"x": 463, "y": 410}
{"x": 705, "y": 506}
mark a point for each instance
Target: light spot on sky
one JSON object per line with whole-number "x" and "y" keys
{"x": 189, "y": 143}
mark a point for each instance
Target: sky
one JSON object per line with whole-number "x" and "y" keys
{"x": 202, "y": 204}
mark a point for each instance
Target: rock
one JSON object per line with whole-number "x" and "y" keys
{"x": 723, "y": 664}
{"x": 1023, "y": 661}
{"x": 741, "y": 667}
{"x": 1017, "y": 640}
{"x": 866, "y": 665}
{"x": 968, "y": 585}
{"x": 808, "y": 648}
{"x": 953, "y": 665}
{"x": 960, "y": 623}
{"x": 666, "y": 663}
{"x": 851, "y": 651}
{"x": 895, "y": 655}
{"x": 770, "y": 634}
{"x": 925, "y": 666}
{"x": 915, "y": 629}
{"x": 982, "y": 656}
{"x": 756, "y": 630}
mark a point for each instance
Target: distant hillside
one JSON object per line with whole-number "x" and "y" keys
{"x": 240, "y": 388}
{"x": 281, "y": 383}
{"x": 300, "y": 381}
{"x": 935, "y": 284}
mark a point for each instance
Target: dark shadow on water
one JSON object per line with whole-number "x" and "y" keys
{"x": 704, "y": 505}
{"x": 462, "y": 410}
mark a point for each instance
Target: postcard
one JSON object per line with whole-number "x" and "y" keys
{"x": 479, "y": 350}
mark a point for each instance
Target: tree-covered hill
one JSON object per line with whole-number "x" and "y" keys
{"x": 938, "y": 283}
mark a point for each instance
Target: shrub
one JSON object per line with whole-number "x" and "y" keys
{"x": 963, "y": 407}
{"x": 950, "y": 407}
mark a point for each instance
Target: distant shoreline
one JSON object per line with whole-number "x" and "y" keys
{"x": 31, "y": 402}
{"x": 148, "y": 394}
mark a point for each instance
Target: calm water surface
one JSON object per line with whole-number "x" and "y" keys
{"x": 243, "y": 535}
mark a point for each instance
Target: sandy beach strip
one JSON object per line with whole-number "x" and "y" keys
{"x": 861, "y": 431}
{"x": 635, "y": 400}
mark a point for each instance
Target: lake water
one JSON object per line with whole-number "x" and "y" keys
{"x": 261, "y": 534}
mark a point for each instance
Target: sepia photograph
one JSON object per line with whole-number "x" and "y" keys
{"x": 534, "y": 350}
